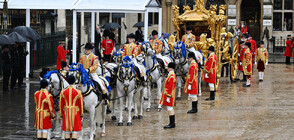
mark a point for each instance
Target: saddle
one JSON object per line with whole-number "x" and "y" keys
{"x": 162, "y": 68}
{"x": 139, "y": 79}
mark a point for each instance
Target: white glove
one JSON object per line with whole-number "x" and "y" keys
{"x": 131, "y": 56}
{"x": 168, "y": 100}
{"x": 245, "y": 67}
{"x": 266, "y": 63}
{"x": 103, "y": 49}
{"x": 240, "y": 63}
{"x": 206, "y": 75}
{"x": 189, "y": 87}
{"x": 255, "y": 63}
{"x": 87, "y": 70}
{"x": 239, "y": 54}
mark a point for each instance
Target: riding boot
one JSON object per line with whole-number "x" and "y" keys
{"x": 39, "y": 138}
{"x": 194, "y": 107}
{"x": 67, "y": 139}
{"x": 73, "y": 139}
{"x": 171, "y": 122}
{"x": 106, "y": 98}
{"x": 212, "y": 96}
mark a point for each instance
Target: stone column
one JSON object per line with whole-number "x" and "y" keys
{"x": 61, "y": 20}
{"x": 97, "y": 18}
{"x": 84, "y": 36}
{"x": 267, "y": 25}
{"x": 169, "y": 17}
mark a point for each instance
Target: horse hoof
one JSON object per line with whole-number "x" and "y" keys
{"x": 135, "y": 117}
{"x": 145, "y": 99}
{"x": 102, "y": 134}
{"x": 94, "y": 135}
{"x": 113, "y": 118}
{"x": 148, "y": 110}
{"x": 159, "y": 109}
{"x": 126, "y": 109}
{"x": 140, "y": 117}
{"x": 133, "y": 110}
{"x": 129, "y": 124}
{"x": 101, "y": 125}
{"x": 199, "y": 95}
{"x": 120, "y": 124}
{"x": 178, "y": 98}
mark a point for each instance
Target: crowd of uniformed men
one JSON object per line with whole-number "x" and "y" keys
{"x": 71, "y": 98}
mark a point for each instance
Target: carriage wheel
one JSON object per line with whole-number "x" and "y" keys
{"x": 218, "y": 75}
{"x": 234, "y": 60}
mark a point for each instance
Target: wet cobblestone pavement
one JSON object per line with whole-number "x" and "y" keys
{"x": 263, "y": 111}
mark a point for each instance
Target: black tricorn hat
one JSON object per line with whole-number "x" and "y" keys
{"x": 71, "y": 79}
{"x": 171, "y": 65}
{"x": 154, "y": 32}
{"x": 63, "y": 64}
{"x": 89, "y": 46}
{"x": 188, "y": 28}
{"x": 131, "y": 35}
{"x": 44, "y": 83}
{"x": 211, "y": 48}
{"x": 261, "y": 42}
{"x": 247, "y": 44}
{"x": 62, "y": 41}
{"x": 289, "y": 36}
{"x": 191, "y": 55}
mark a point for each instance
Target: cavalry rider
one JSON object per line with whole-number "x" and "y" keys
{"x": 168, "y": 94}
{"x": 71, "y": 110}
{"x": 132, "y": 50}
{"x": 60, "y": 54}
{"x": 247, "y": 63}
{"x": 210, "y": 72}
{"x": 261, "y": 60}
{"x": 44, "y": 111}
{"x": 191, "y": 86}
{"x": 91, "y": 62}
{"x": 156, "y": 44}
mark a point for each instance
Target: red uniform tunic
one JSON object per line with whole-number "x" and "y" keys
{"x": 288, "y": 50}
{"x": 192, "y": 79}
{"x": 210, "y": 69}
{"x": 169, "y": 90}
{"x": 44, "y": 109}
{"x": 241, "y": 58}
{"x": 107, "y": 44}
{"x": 243, "y": 29}
{"x": 60, "y": 56}
{"x": 71, "y": 109}
{"x": 247, "y": 62}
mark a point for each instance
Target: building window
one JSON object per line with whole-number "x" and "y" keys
{"x": 283, "y": 15}
{"x": 153, "y": 18}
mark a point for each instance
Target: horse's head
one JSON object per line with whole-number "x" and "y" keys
{"x": 117, "y": 56}
{"x": 147, "y": 48}
{"x": 126, "y": 71}
{"x": 179, "y": 52}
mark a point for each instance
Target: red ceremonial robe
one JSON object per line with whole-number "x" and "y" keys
{"x": 210, "y": 69}
{"x": 107, "y": 44}
{"x": 192, "y": 79}
{"x": 60, "y": 56}
{"x": 71, "y": 109}
{"x": 288, "y": 50}
{"x": 169, "y": 90}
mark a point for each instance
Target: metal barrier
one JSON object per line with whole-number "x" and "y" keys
{"x": 44, "y": 51}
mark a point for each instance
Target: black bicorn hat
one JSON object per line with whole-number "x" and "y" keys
{"x": 247, "y": 44}
{"x": 211, "y": 48}
{"x": 171, "y": 65}
{"x": 188, "y": 28}
{"x": 44, "y": 83}
{"x": 71, "y": 79}
{"x": 154, "y": 32}
{"x": 261, "y": 42}
{"x": 131, "y": 35}
{"x": 89, "y": 46}
{"x": 63, "y": 64}
{"x": 191, "y": 55}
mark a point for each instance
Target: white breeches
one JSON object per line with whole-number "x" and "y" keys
{"x": 100, "y": 82}
{"x": 169, "y": 108}
{"x": 211, "y": 86}
{"x": 72, "y": 132}
{"x": 192, "y": 96}
{"x": 141, "y": 67}
{"x": 43, "y": 130}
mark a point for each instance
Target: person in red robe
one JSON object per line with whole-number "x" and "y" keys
{"x": 44, "y": 111}
{"x": 60, "y": 54}
{"x": 71, "y": 110}
{"x": 253, "y": 47}
{"x": 168, "y": 94}
{"x": 288, "y": 50}
{"x": 191, "y": 86}
{"x": 247, "y": 63}
{"x": 243, "y": 27}
{"x": 107, "y": 47}
{"x": 210, "y": 72}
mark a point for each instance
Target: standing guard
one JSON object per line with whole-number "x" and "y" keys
{"x": 191, "y": 86}
{"x": 288, "y": 50}
{"x": 210, "y": 72}
{"x": 71, "y": 110}
{"x": 61, "y": 54}
{"x": 247, "y": 63}
{"x": 261, "y": 60}
{"x": 44, "y": 111}
{"x": 168, "y": 94}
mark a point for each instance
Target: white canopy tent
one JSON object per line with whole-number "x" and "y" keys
{"x": 111, "y": 6}
{"x": 115, "y": 6}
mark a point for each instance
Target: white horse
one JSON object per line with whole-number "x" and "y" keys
{"x": 127, "y": 85}
{"x": 153, "y": 75}
{"x": 165, "y": 47}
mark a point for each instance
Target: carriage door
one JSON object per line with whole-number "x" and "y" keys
{"x": 250, "y": 13}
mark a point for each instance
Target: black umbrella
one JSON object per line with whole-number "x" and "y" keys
{"x": 16, "y": 37}
{"x": 140, "y": 24}
{"x": 111, "y": 25}
{"x": 5, "y": 40}
{"x": 27, "y": 32}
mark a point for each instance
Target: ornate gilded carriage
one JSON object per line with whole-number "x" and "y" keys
{"x": 210, "y": 31}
